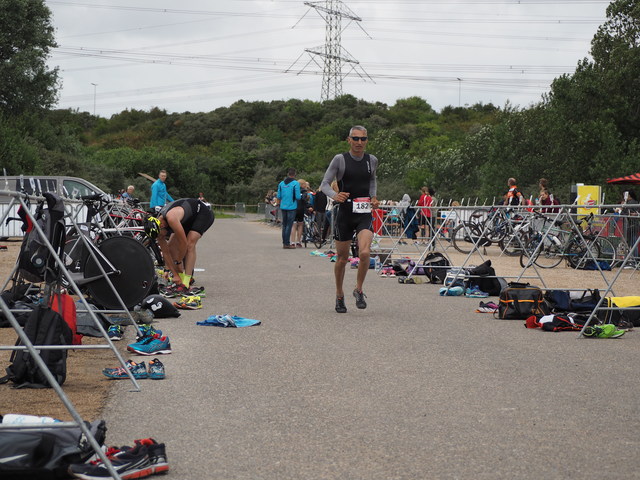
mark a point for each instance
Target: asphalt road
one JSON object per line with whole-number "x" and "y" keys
{"x": 417, "y": 386}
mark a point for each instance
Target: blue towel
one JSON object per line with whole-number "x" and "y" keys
{"x": 228, "y": 321}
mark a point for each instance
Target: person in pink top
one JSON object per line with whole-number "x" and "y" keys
{"x": 426, "y": 200}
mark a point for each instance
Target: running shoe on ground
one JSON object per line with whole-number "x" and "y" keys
{"x": 147, "y": 330}
{"x": 151, "y": 346}
{"x": 198, "y": 291}
{"x": 115, "y": 332}
{"x": 138, "y": 370}
{"x": 129, "y": 464}
{"x": 173, "y": 291}
{"x": 340, "y": 306}
{"x": 157, "y": 454}
{"x": 360, "y": 299}
{"x": 603, "y": 331}
{"x": 475, "y": 292}
{"x": 488, "y": 307}
{"x": 156, "y": 369}
{"x": 191, "y": 302}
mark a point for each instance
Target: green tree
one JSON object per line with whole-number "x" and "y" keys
{"x": 26, "y": 38}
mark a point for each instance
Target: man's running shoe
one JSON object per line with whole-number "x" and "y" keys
{"x": 608, "y": 330}
{"x": 191, "y": 302}
{"x": 151, "y": 346}
{"x": 475, "y": 292}
{"x": 147, "y": 330}
{"x": 173, "y": 291}
{"x": 360, "y": 299}
{"x": 488, "y": 307}
{"x": 156, "y": 369}
{"x": 138, "y": 370}
{"x": 128, "y": 464}
{"x": 157, "y": 454}
{"x": 115, "y": 332}
{"x": 197, "y": 291}
{"x": 340, "y": 306}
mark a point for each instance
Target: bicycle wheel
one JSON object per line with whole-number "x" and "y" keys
{"x": 315, "y": 236}
{"x": 513, "y": 244}
{"x": 549, "y": 254}
{"x": 580, "y": 252}
{"x": 132, "y": 278}
{"x": 464, "y": 237}
{"x": 607, "y": 251}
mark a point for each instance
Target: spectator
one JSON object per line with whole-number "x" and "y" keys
{"x": 159, "y": 195}
{"x": 301, "y": 208}
{"x": 426, "y": 201}
{"x": 128, "y": 195}
{"x": 513, "y": 197}
{"x": 288, "y": 196}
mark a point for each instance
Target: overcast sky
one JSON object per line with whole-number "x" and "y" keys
{"x": 198, "y": 55}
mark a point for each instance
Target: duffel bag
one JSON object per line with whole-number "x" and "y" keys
{"x": 518, "y": 301}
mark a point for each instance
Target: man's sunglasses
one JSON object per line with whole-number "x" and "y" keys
{"x": 358, "y": 139}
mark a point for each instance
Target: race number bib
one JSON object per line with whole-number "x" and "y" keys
{"x": 362, "y": 205}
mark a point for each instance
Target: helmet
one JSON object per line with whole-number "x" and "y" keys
{"x": 152, "y": 227}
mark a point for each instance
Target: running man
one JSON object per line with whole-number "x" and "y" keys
{"x": 183, "y": 222}
{"x": 355, "y": 172}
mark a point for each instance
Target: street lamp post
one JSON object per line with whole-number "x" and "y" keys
{"x": 95, "y": 85}
{"x": 459, "y": 90}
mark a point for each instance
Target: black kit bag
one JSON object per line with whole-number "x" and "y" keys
{"x": 518, "y": 301}
{"x": 484, "y": 276}
{"x": 44, "y": 327}
{"x": 35, "y": 260}
{"x": 435, "y": 267}
{"x": 46, "y": 453}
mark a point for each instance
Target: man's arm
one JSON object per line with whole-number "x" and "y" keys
{"x": 373, "y": 182}
{"x": 334, "y": 171}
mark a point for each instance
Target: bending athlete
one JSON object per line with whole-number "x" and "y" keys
{"x": 355, "y": 172}
{"x": 182, "y": 224}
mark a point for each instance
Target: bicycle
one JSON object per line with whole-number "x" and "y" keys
{"x": 91, "y": 254}
{"x": 578, "y": 245}
{"x": 486, "y": 227}
{"x": 311, "y": 232}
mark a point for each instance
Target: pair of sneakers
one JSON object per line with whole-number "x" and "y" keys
{"x": 146, "y": 458}
{"x": 189, "y": 302}
{"x": 138, "y": 370}
{"x": 174, "y": 291}
{"x": 488, "y": 307}
{"x": 360, "y": 301}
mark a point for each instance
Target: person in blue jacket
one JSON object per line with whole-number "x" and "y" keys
{"x": 159, "y": 195}
{"x": 288, "y": 196}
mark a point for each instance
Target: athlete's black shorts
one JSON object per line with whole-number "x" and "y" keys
{"x": 347, "y": 222}
{"x": 203, "y": 221}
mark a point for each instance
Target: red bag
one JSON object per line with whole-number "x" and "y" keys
{"x": 63, "y": 304}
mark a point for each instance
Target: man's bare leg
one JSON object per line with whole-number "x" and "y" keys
{"x": 342, "y": 249}
{"x": 364, "y": 253}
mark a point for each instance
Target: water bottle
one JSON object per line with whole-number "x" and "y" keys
{"x": 377, "y": 262}
{"x": 18, "y": 419}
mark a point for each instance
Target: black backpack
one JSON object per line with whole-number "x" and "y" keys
{"x": 43, "y": 327}
{"x": 35, "y": 260}
{"x": 436, "y": 267}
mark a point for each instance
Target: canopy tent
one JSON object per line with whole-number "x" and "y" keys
{"x": 628, "y": 180}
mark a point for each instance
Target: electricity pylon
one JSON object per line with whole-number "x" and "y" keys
{"x": 334, "y": 56}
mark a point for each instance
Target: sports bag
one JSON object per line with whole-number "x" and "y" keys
{"x": 45, "y": 453}
{"x": 435, "y": 267}
{"x": 484, "y": 277}
{"x": 518, "y": 301}
{"x": 35, "y": 260}
{"x": 627, "y": 311}
{"x": 44, "y": 327}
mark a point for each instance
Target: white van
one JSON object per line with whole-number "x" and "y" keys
{"x": 66, "y": 187}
